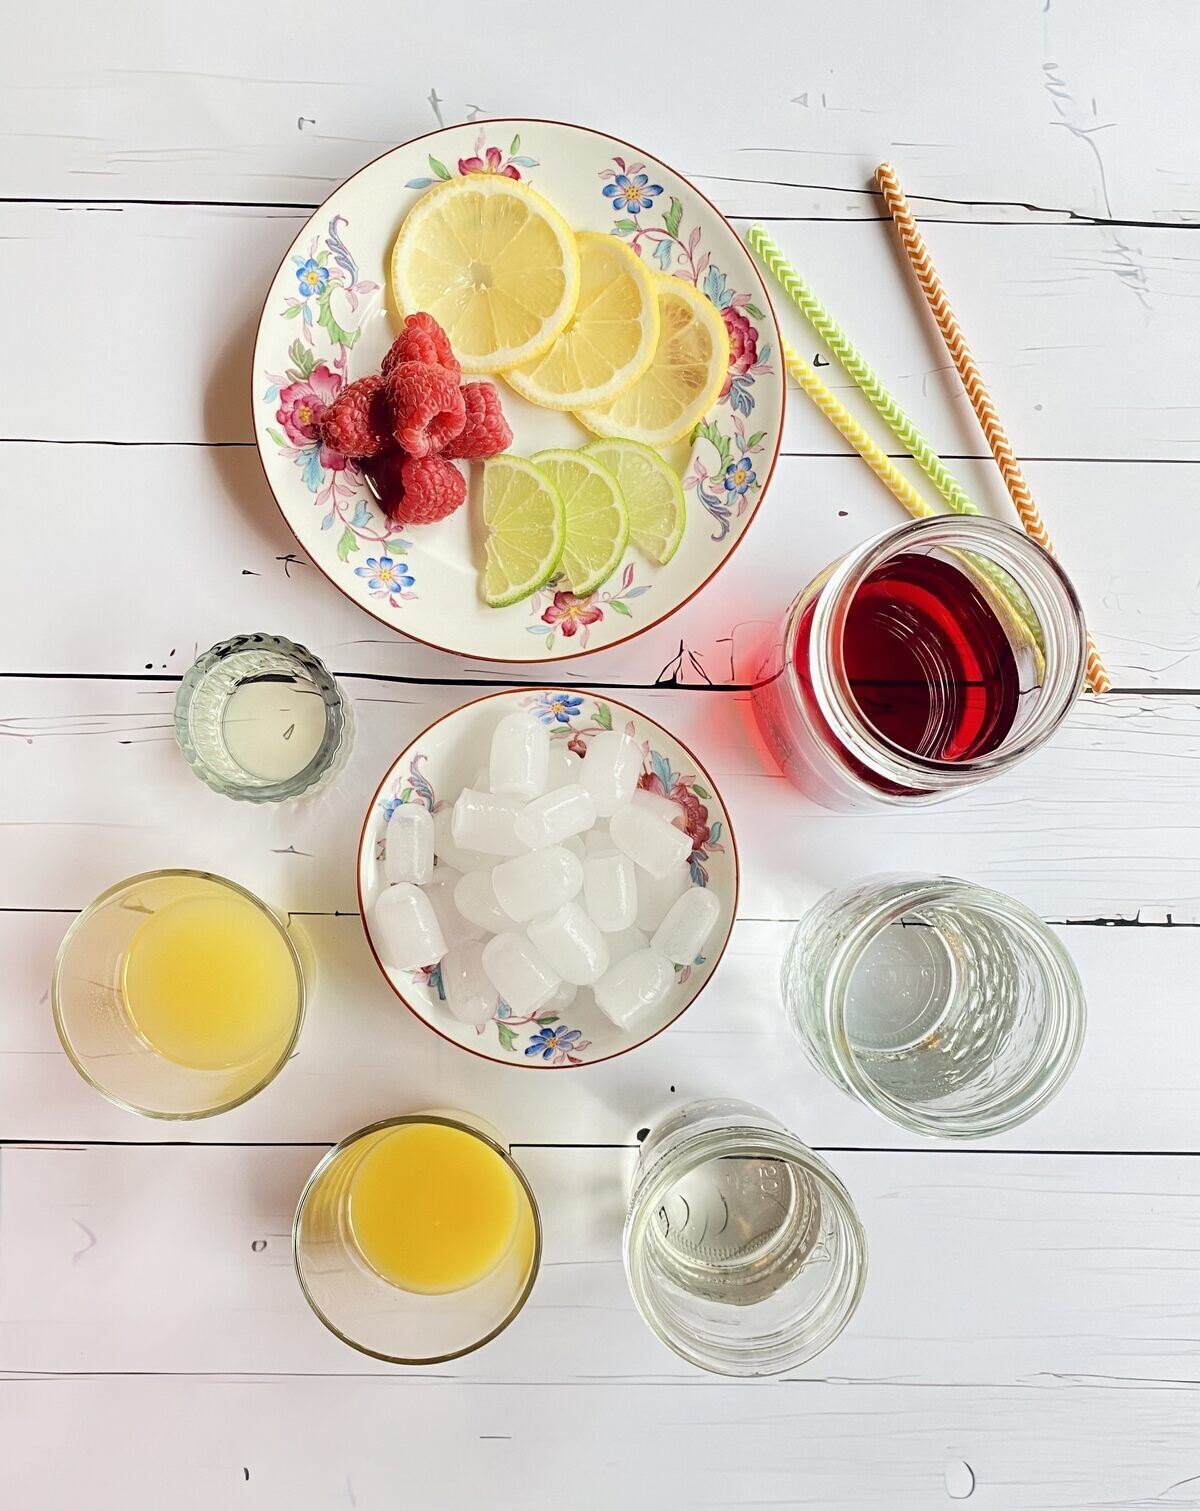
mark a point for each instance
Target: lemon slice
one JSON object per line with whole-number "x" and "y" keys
{"x": 494, "y": 263}
{"x": 653, "y": 495}
{"x": 608, "y": 342}
{"x": 526, "y": 526}
{"x": 597, "y": 521}
{"x": 684, "y": 377}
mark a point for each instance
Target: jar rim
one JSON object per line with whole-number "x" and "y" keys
{"x": 1038, "y": 574}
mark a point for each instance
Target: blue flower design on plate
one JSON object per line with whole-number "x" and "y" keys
{"x": 631, "y": 193}
{"x": 557, "y": 708}
{"x": 386, "y": 575}
{"x": 739, "y": 476}
{"x": 311, "y": 277}
{"x": 549, "y": 1041}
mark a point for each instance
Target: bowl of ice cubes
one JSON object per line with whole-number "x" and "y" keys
{"x": 547, "y": 878}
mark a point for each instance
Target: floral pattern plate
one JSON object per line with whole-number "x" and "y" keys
{"x": 326, "y": 321}
{"x": 443, "y": 760}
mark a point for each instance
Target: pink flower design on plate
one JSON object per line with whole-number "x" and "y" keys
{"x": 301, "y": 406}
{"x": 491, "y": 162}
{"x": 694, "y": 813}
{"x": 569, "y": 612}
{"x": 743, "y": 345}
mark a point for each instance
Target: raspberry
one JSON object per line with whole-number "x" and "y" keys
{"x": 427, "y": 408}
{"x": 422, "y": 340}
{"x": 358, "y": 423}
{"x": 386, "y": 472}
{"x": 433, "y": 488}
{"x": 486, "y": 431}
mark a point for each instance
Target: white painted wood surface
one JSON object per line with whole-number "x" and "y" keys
{"x": 1028, "y": 1335}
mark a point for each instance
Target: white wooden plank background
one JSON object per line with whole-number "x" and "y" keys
{"x": 1028, "y": 1337}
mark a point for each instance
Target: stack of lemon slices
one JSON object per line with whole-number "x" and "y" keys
{"x": 577, "y": 323}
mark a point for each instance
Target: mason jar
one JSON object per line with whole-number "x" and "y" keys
{"x": 928, "y": 659}
{"x": 950, "y": 1009}
{"x": 743, "y": 1250}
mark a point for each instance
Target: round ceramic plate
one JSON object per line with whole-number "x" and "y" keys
{"x": 327, "y": 320}
{"x": 443, "y": 760}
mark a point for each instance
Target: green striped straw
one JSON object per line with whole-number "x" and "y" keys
{"x": 862, "y": 372}
{"x": 891, "y": 413}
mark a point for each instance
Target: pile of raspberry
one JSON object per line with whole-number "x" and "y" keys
{"x": 406, "y": 423}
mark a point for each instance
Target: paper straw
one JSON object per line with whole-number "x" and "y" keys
{"x": 836, "y": 412}
{"x": 960, "y": 353}
{"x": 861, "y": 371}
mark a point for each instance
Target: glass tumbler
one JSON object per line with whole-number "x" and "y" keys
{"x": 393, "y": 1317}
{"x": 950, "y": 1009}
{"x": 925, "y": 661}
{"x": 742, "y": 1248}
{"x": 261, "y": 719}
{"x": 137, "y": 949}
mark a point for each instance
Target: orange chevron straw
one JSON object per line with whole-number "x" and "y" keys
{"x": 985, "y": 411}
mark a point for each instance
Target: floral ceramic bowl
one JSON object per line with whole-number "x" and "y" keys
{"x": 443, "y": 760}
{"x": 326, "y": 322}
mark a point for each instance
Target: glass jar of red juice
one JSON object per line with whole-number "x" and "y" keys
{"x": 932, "y": 657}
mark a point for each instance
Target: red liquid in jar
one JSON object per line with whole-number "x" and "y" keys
{"x": 928, "y": 661}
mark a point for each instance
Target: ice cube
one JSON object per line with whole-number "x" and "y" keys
{"x": 624, "y": 943}
{"x": 537, "y": 882}
{"x": 630, "y": 991}
{"x": 475, "y": 899}
{"x": 574, "y": 843}
{"x": 656, "y": 894}
{"x": 520, "y": 755}
{"x": 571, "y": 943}
{"x": 408, "y": 844}
{"x": 649, "y": 841}
{"x": 405, "y": 928}
{"x": 654, "y": 802}
{"x": 564, "y": 766}
{"x": 485, "y": 821}
{"x": 553, "y": 817}
{"x": 450, "y": 854}
{"x": 689, "y": 921}
{"x": 483, "y": 780}
{"x": 610, "y": 891}
{"x": 470, "y": 995}
{"x": 440, "y": 891}
{"x": 524, "y": 980}
{"x": 611, "y": 770}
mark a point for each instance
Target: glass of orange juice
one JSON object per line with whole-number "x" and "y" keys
{"x": 178, "y": 994}
{"x": 417, "y": 1239}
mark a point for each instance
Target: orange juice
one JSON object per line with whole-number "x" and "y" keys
{"x": 433, "y": 1209}
{"x": 210, "y": 983}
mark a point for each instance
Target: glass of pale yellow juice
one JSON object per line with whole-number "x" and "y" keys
{"x": 417, "y": 1239}
{"x": 178, "y": 994}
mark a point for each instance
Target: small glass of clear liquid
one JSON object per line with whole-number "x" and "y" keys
{"x": 259, "y": 718}
{"x": 742, "y": 1248}
{"x": 950, "y": 1009}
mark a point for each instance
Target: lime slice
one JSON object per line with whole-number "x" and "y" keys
{"x": 597, "y": 520}
{"x": 526, "y": 527}
{"x": 653, "y": 495}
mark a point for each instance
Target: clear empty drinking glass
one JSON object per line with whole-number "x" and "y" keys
{"x": 179, "y": 994}
{"x": 743, "y": 1250}
{"x": 417, "y": 1239}
{"x": 950, "y": 1009}
{"x": 926, "y": 660}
